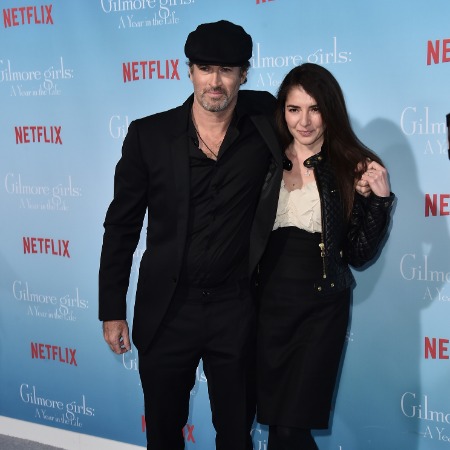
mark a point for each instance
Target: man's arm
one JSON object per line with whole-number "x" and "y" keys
{"x": 123, "y": 224}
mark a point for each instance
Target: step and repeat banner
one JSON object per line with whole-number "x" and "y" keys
{"x": 73, "y": 74}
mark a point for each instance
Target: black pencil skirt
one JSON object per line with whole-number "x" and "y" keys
{"x": 300, "y": 334}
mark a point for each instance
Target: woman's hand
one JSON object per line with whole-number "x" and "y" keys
{"x": 375, "y": 179}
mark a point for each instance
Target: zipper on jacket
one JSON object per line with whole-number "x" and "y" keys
{"x": 322, "y": 254}
{"x": 322, "y": 243}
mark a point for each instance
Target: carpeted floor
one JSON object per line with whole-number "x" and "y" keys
{"x": 12, "y": 443}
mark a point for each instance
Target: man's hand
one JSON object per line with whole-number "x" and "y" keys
{"x": 116, "y": 335}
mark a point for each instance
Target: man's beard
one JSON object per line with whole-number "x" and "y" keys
{"x": 215, "y": 106}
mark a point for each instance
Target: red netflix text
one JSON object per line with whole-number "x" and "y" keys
{"x": 149, "y": 70}
{"x": 188, "y": 433}
{"x": 37, "y": 133}
{"x": 437, "y": 205}
{"x": 258, "y": 2}
{"x": 188, "y": 430}
{"x": 57, "y": 247}
{"x": 436, "y": 348}
{"x": 438, "y": 51}
{"x": 28, "y": 15}
{"x": 54, "y": 353}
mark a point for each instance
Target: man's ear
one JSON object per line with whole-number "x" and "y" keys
{"x": 243, "y": 77}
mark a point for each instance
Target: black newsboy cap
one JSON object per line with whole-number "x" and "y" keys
{"x": 219, "y": 43}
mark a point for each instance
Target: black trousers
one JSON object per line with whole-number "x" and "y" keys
{"x": 217, "y": 326}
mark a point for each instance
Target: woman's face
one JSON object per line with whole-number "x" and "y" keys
{"x": 304, "y": 119}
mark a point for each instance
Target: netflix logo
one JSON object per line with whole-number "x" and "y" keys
{"x": 58, "y": 247}
{"x": 28, "y": 15}
{"x": 54, "y": 353}
{"x": 438, "y": 51}
{"x": 436, "y": 348}
{"x": 187, "y": 431}
{"x": 259, "y": 2}
{"x": 38, "y": 134}
{"x": 149, "y": 70}
{"x": 437, "y": 205}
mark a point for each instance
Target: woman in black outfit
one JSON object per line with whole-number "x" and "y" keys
{"x": 322, "y": 225}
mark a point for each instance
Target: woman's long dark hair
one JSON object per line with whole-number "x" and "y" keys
{"x": 345, "y": 151}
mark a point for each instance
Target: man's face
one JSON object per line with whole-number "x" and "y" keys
{"x": 216, "y": 87}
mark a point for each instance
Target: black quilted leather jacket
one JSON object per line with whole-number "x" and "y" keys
{"x": 353, "y": 242}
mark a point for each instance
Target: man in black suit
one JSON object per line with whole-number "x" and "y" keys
{"x": 205, "y": 171}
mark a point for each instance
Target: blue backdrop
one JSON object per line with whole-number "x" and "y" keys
{"x": 72, "y": 78}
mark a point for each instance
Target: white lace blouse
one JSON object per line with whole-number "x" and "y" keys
{"x": 299, "y": 208}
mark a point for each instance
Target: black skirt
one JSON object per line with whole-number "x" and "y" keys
{"x": 300, "y": 333}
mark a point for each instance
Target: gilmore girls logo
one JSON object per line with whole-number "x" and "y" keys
{"x": 259, "y": 437}
{"x": 118, "y": 126}
{"x": 273, "y": 67}
{"x": 415, "y": 406}
{"x": 422, "y": 123}
{"x": 331, "y": 54}
{"x": 33, "y": 82}
{"x": 419, "y": 407}
{"x": 52, "y": 409}
{"x": 145, "y": 13}
{"x": 418, "y": 268}
{"x": 41, "y": 197}
{"x": 44, "y": 305}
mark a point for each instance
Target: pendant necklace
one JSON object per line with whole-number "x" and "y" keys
{"x": 308, "y": 170}
{"x": 216, "y": 155}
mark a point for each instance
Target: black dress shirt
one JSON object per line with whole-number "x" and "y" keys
{"x": 223, "y": 199}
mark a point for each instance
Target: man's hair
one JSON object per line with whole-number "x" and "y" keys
{"x": 244, "y": 68}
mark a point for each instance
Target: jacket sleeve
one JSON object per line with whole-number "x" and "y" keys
{"x": 123, "y": 224}
{"x": 367, "y": 228}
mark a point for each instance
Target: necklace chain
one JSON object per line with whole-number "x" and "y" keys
{"x": 206, "y": 145}
{"x": 216, "y": 155}
{"x": 308, "y": 170}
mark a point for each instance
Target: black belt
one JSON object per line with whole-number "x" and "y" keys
{"x": 185, "y": 292}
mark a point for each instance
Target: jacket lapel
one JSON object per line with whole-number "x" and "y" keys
{"x": 267, "y": 205}
{"x": 179, "y": 149}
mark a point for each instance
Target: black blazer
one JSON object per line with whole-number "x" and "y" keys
{"x": 153, "y": 173}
